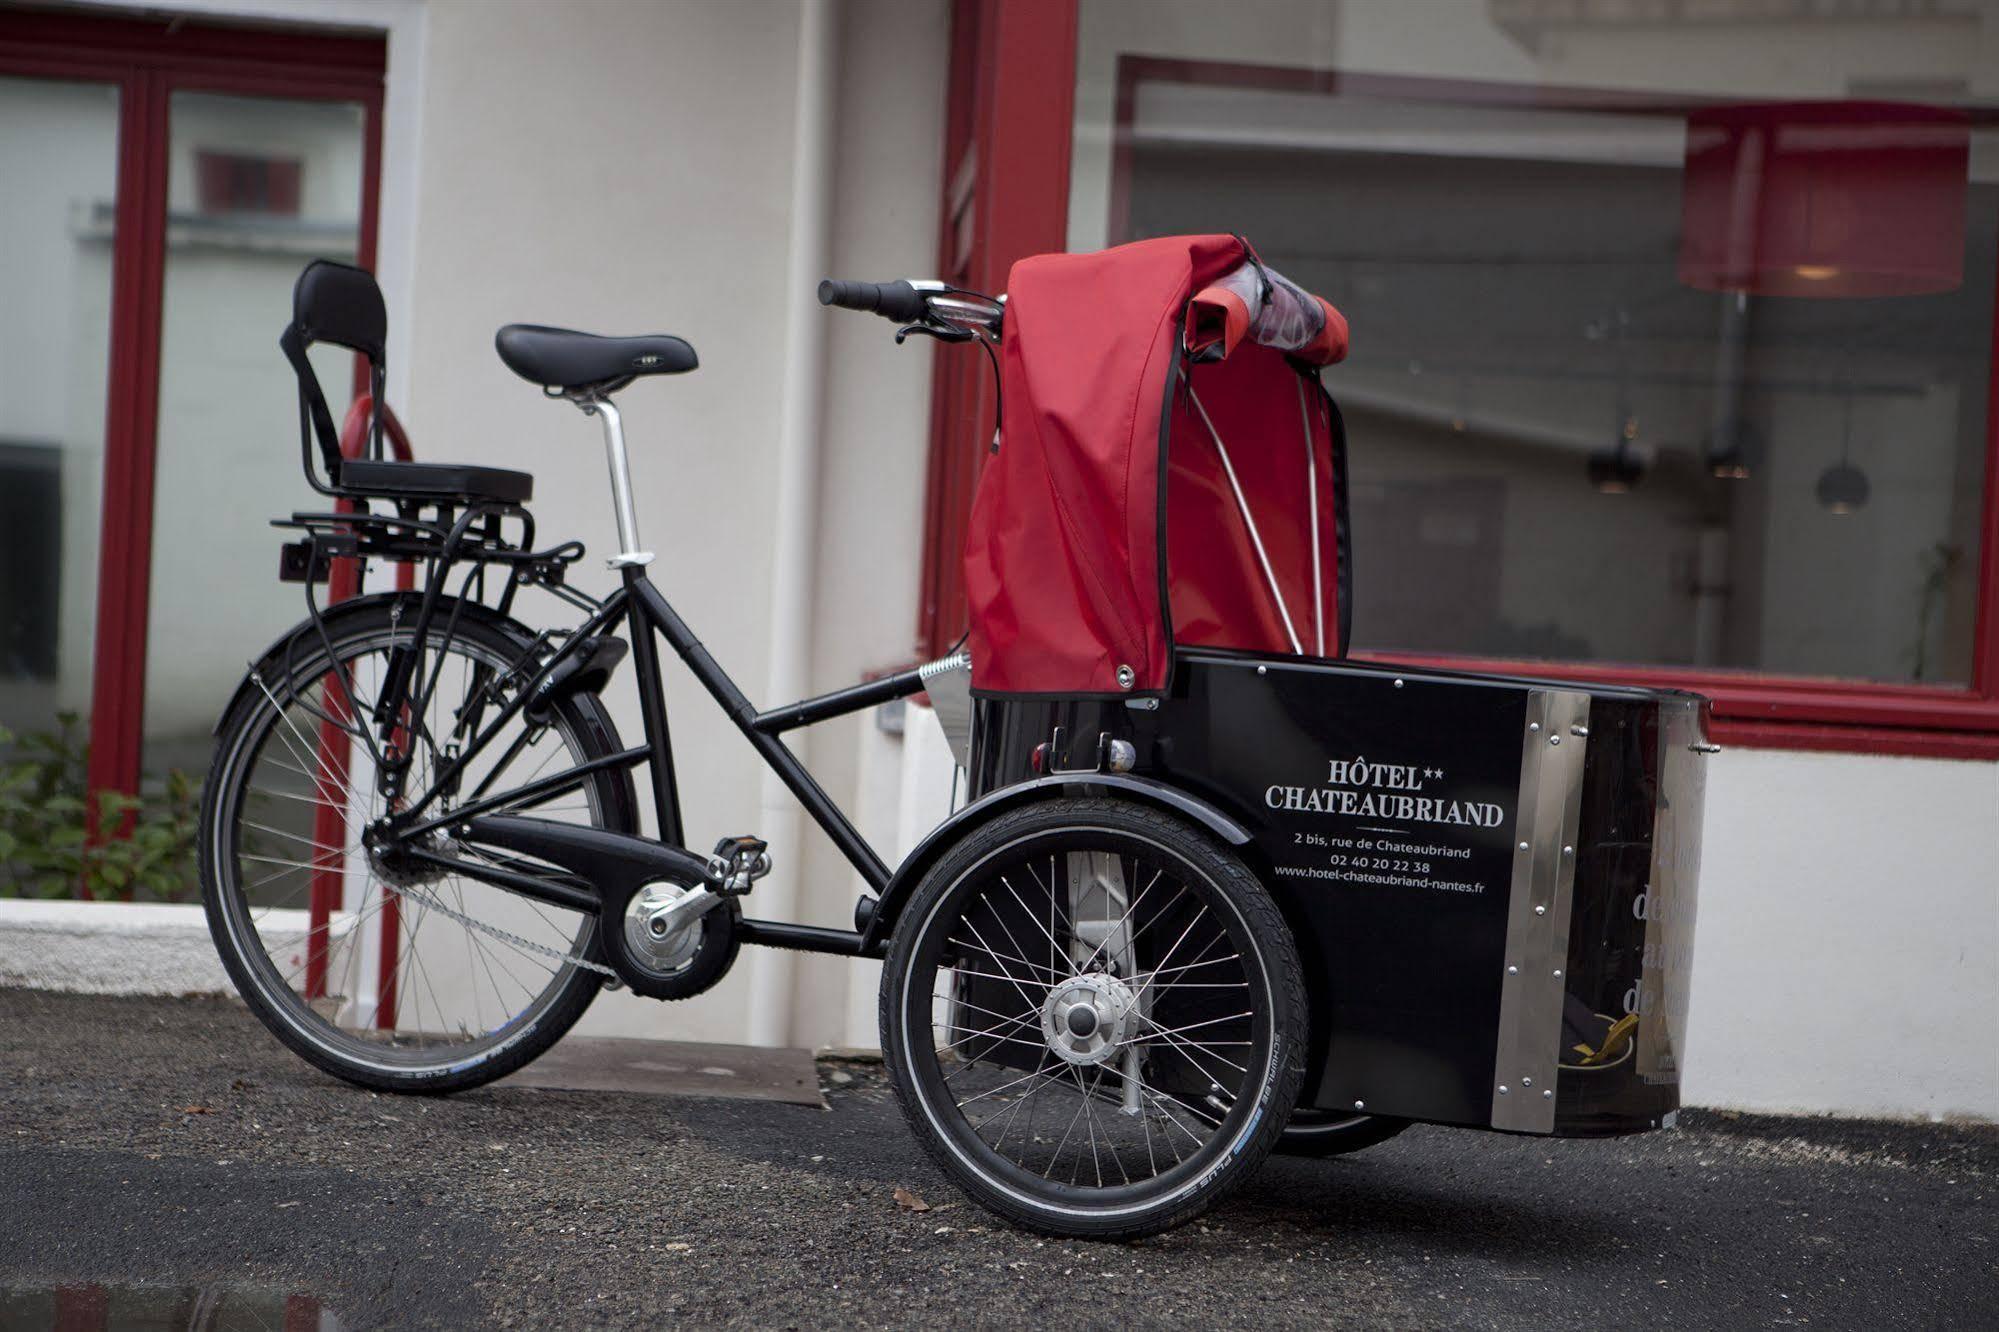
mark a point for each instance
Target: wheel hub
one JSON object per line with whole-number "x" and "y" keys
{"x": 1086, "y": 1019}
{"x": 390, "y": 861}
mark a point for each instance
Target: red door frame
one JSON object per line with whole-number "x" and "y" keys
{"x": 1006, "y": 173}
{"x": 148, "y": 60}
{"x": 1004, "y": 91}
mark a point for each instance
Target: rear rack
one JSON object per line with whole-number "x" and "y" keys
{"x": 406, "y": 539}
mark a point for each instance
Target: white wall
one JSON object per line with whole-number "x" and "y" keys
{"x": 666, "y": 208}
{"x": 1846, "y": 951}
{"x": 640, "y": 186}
{"x": 887, "y": 166}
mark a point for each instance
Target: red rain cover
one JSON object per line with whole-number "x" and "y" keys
{"x": 1063, "y": 551}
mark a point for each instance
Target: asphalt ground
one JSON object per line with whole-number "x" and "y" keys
{"x": 173, "y": 1143}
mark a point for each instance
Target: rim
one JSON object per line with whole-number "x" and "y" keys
{"x": 290, "y": 822}
{"x": 1087, "y": 1022}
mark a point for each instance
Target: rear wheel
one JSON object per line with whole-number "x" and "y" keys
{"x": 389, "y": 972}
{"x": 1089, "y": 1013}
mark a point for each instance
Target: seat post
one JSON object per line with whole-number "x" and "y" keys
{"x": 629, "y": 555}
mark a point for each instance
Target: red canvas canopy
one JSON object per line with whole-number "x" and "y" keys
{"x": 1166, "y": 470}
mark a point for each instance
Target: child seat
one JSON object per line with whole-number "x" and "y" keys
{"x": 341, "y": 304}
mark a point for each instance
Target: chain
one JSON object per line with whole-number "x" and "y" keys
{"x": 503, "y": 936}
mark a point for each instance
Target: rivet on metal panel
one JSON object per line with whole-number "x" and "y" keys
{"x": 1502, "y": 1089}
{"x": 1546, "y": 1093}
{"x": 1554, "y": 739}
{"x": 1526, "y": 1082}
{"x": 1534, "y": 726}
{"x": 1360, "y": 1105}
{"x": 1558, "y": 973}
{"x": 1513, "y": 971}
{"x": 1568, "y": 850}
{"x": 1523, "y": 846}
{"x": 1398, "y": 683}
{"x": 1127, "y": 677}
{"x": 1579, "y": 731}
{"x": 1540, "y": 910}
{"x": 1263, "y": 670}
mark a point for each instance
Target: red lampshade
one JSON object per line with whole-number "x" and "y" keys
{"x": 1824, "y": 199}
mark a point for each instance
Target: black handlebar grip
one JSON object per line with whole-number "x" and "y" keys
{"x": 891, "y": 300}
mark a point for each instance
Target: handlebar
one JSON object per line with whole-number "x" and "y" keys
{"x": 891, "y": 300}
{"x": 934, "y": 307}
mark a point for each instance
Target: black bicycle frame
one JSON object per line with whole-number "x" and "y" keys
{"x": 651, "y": 617}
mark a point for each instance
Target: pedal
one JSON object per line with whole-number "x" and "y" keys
{"x": 738, "y": 862}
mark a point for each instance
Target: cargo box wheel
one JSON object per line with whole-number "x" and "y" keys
{"x": 1091, "y": 1012}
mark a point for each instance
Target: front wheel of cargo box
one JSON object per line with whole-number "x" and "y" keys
{"x": 1090, "y": 1013}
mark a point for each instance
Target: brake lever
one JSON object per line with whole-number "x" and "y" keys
{"x": 930, "y": 330}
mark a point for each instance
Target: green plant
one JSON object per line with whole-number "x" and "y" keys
{"x": 145, "y": 850}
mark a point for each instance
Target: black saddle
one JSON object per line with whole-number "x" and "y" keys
{"x": 557, "y": 358}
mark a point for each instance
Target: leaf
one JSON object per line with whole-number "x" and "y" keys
{"x": 905, "y": 1199}
{"x": 111, "y": 804}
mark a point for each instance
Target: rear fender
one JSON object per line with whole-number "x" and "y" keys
{"x": 876, "y": 917}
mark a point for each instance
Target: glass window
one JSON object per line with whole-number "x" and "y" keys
{"x": 59, "y": 157}
{"x": 257, "y": 187}
{"x": 1672, "y": 342}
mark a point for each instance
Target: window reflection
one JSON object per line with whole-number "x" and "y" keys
{"x": 257, "y": 187}
{"x": 58, "y": 155}
{"x": 1665, "y": 350}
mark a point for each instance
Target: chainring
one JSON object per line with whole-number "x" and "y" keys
{"x": 709, "y": 961}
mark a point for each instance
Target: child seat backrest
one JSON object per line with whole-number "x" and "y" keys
{"x": 340, "y": 304}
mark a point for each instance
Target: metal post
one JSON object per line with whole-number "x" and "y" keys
{"x": 629, "y": 555}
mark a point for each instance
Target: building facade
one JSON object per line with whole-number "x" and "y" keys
{"x": 1673, "y": 334}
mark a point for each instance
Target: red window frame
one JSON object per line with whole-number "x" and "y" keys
{"x": 1751, "y": 708}
{"x": 148, "y": 60}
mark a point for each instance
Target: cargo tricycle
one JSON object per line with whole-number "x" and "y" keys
{"x": 1216, "y": 887}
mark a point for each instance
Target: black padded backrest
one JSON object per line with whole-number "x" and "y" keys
{"x": 341, "y": 304}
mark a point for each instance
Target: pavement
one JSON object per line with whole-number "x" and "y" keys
{"x": 165, "y": 1144}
